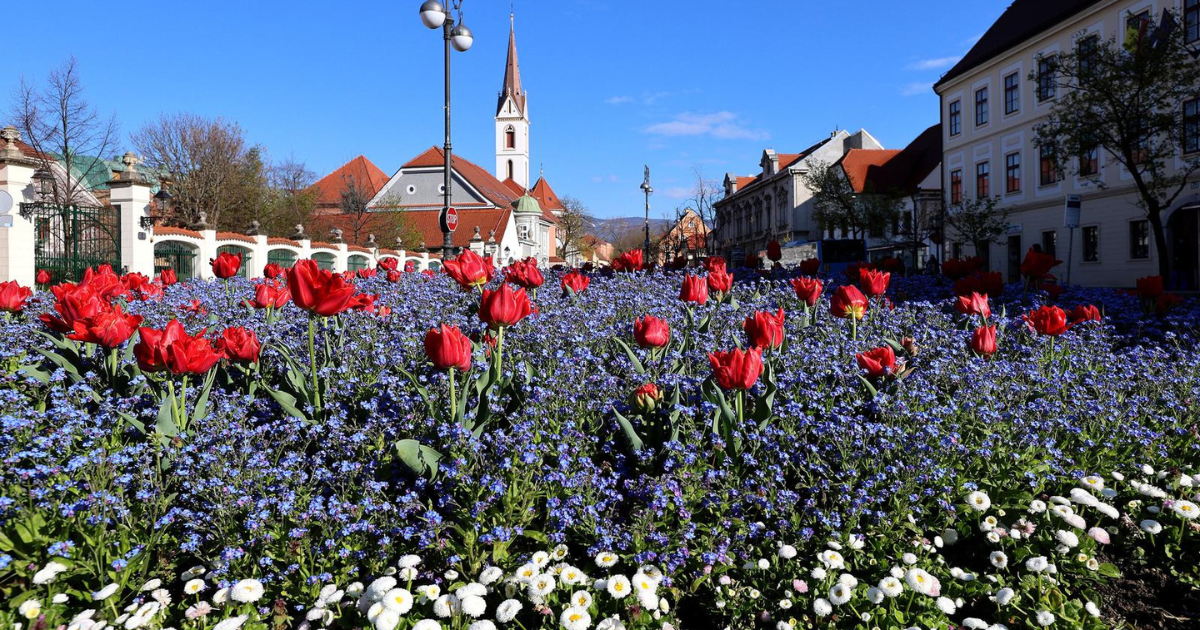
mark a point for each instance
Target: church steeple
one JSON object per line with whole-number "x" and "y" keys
{"x": 512, "y": 74}
{"x": 512, "y": 121}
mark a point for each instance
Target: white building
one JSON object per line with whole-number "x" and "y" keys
{"x": 988, "y": 112}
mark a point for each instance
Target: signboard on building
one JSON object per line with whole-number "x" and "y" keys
{"x": 1072, "y": 210}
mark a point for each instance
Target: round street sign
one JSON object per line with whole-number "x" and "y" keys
{"x": 449, "y": 220}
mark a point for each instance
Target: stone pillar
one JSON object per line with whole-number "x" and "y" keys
{"x": 258, "y": 261}
{"x": 130, "y": 194}
{"x": 207, "y": 252}
{"x": 17, "y": 243}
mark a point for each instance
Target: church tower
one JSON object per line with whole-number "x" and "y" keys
{"x": 512, "y": 121}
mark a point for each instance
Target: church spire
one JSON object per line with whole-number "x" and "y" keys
{"x": 512, "y": 74}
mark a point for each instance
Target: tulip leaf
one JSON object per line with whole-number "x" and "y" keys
{"x": 166, "y": 426}
{"x": 733, "y": 302}
{"x": 631, "y": 437}
{"x": 704, "y": 324}
{"x": 134, "y": 422}
{"x": 896, "y": 347}
{"x": 202, "y": 402}
{"x": 870, "y": 388}
{"x": 418, "y": 458}
{"x": 287, "y": 402}
{"x": 633, "y": 358}
{"x": 33, "y": 372}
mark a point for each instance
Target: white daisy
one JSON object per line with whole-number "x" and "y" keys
{"x": 409, "y": 561}
{"x": 1151, "y": 526}
{"x": 1005, "y": 595}
{"x": 30, "y": 609}
{"x": 979, "y": 501}
{"x": 1045, "y": 618}
{"x": 446, "y": 606}
{"x": 482, "y": 624}
{"x": 491, "y": 575}
{"x": 233, "y": 623}
{"x": 575, "y": 618}
{"x": 822, "y": 607}
{"x": 606, "y": 559}
{"x": 998, "y": 559}
{"x": 839, "y": 594}
{"x": 473, "y": 606}
{"x": 50, "y": 572}
{"x": 427, "y": 624}
{"x": 1185, "y": 509}
{"x": 581, "y": 599}
{"x": 1037, "y": 564}
{"x": 946, "y": 605}
{"x": 247, "y": 591}
{"x": 105, "y": 593}
{"x": 540, "y": 558}
{"x": 559, "y": 553}
{"x": 891, "y": 586}
{"x": 194, "y": 586}
{"x": 787, "y": 552}
{"x": 507, "y": 610}
{"x": 398, "y": 600}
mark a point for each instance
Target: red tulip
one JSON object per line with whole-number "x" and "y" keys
{"x": 226, "y": 265}
{"x": 105, "y": 282}
{"x": 504, "y": 306}
{"x": 239, "y": 344}
{"x": 393, "y": 275}
{"x": 383, "y": 311}
{"x": 1084, "y": 313}
{"x": 848, "y": 301}
{"x": 774, "y": 252}
{"x": 1166, "y": 302}
{"x": 366, "y": 273}
{"x": 410, "y": 267}
{"x": 272, "y": 271}
{"x": 714, "y": 263}
{"x": 173, "y": 349}
{"x": 576, "y": 282}
{"x": 736, "y": 369}
{"x": 74, "y": 303}
{"x": 765, "y": 329}
{"x": 318, "y": 290}
{"x": 1048, "y": 320}
{"x": 629, "y": 262}
{"x": 43, "y": 277}
{"x": 388, "y": 264}
{"x": 719, "y": 281}
{"x": 810, "y": 266}
{"x": 13, "y": 296}
{"x": 695, "y": 290}
{"x": 646, "y": 397}
{"x": 873, "y": 283}
{"x": 808, "y": 290}
{"x": 974, "y": 304}
{"x": 1150, "y": 287}
{"x": 524, "y": 273}
{"x": 167, "y": 277}
{"x": 752, "y": 261}
{"x": 983, "y": 341}
{"x": 469, "y": 269}
{"x": 651, "y": 332}
{"x": 1037, "y": 265}
{"x": 879, "y": 362}
{"x": 364, "y": 302}
{"x": 195, "y": 307}
{"x": 109, "y": 328}
{"x": 447, "y": 348}
{"x": 270, "y": 295}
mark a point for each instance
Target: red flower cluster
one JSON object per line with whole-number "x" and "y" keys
{"x": 270, "y": 295}
{"x": 13, "y": 296}
{"x": 973, "y": 304}
{"x": 575, "y": 282}
{"x": 990, "y": 283}
{"x": 736, "y": 369}
{"x": 1048, "y": 320}
{"x": 765, "y": 329}
{"x": 447, "y": 348}
{"x": 1037, "y": 265}
{"x": 810, "y": 266}
{"x": 848, "y": 301}
{"x": 808, "y": 290}
{"x": 172, "y": 349}
{"x": 226, "y": 265}
{"x": 774, "y": 252}
{"x": 273, "y": 270}
{"x": 955, "y": 268}
{"x": 319, "y": 291}
{"x": 651, "y": 332}
{"x": 504, "y": 306}
{"x": 524, "y": 273}
{"x": 629, "y": 262}
{"x": 878, "y": 363}
{"x": 873, "y": 283}
{"x": 983, "y": 341}
{"x": 694, "y": 290}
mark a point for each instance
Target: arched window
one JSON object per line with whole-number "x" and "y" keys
{"x": 510, "y": 169}
{"x": 510, "y": 138}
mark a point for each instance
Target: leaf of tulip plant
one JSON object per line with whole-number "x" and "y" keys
{"x": 134, "y": 422}
{"x": 166, "y": 426}
{"x": 633, "y": 358}
{"x": 420, "y": 459}
{"x": 631, "y": 437}
{"x": 896, "y": 347}
{"x": 202, "y": 402}
{"x": 870, "y": 388}
{"x": 287, "y": 402}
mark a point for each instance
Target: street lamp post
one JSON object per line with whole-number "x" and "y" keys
{"x": 434, "y": 14}
{"x": 648, "y": 190}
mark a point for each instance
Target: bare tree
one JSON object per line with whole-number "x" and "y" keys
{"x": 205, "y": 159}
{"x": 291, "y": 198}
{"x": 353, "y": 206}
{"x": 59, "y": 123}
{"x": 575, "y": 222}
{"x": 837, "y": 205}
{"x": 705, "y": 194}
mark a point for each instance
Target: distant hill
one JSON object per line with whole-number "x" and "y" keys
{"x": 612, "y": 229}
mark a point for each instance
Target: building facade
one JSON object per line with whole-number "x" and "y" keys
{"x": 989, "y": 110}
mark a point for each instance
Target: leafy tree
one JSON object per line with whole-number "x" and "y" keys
{"x": 1124, "y": 99}
{"x": 978, "y": 222}
{"x": 837, "y": 205}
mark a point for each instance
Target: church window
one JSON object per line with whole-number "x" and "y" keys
{"x": 510, "y": 138}
{"x": 510, "y": 169}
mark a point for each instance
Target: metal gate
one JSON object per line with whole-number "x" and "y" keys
{"x": 69, "y": 239}
{"x": 177, "y": 256}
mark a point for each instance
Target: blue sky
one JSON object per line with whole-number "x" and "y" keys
{"x": 612, "y": 84}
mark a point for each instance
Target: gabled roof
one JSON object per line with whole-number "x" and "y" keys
{"x": 894, "y": 171}
{"x": 496, "y": 192}
{"x": 785, "y": 160}
{"x": 512, "y": 77}
{"x": 547, "y": 199}
{"x": 516, "y": 188}
{"x": 360, "y": 170}
{"x": 1021, "y": 21}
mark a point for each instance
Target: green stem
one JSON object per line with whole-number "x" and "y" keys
{"x": 312, "y": 362}
{"x": 453, "y": 397}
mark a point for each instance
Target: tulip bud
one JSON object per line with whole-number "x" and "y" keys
{"x": 646, "y": 398}
{"x": 910, "y": 346}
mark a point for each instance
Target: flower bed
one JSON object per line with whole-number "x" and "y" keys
{"x": 638, "y": 450}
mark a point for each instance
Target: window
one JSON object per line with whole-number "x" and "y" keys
{"x": 510, "y": 169}
{"x": 1050, "y": 242}
{"x": 510, "y": 138}
{"x": 1139, "y": 239}
{"x": 1091, "y": 243}
{"x": 1191, "y": 21}
{"x": 1012, "y": 93}
{"x": 983, "y": 180}
{"x": 1049, "y": 168}
{"x": 1047, "y": 76}
{"x": 1086, "y": 53}
{"x": 981, "y": 107}
{"x": 1012, "y": 172}
{"x": 955, "y": 118}
{"x": 1137, "y": 27}
{"x": 1191, "y": 124}
{"x": 1089, "y": 162}
{"x": 956, "y": 191}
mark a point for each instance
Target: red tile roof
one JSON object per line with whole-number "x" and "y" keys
{"x": 495, "y": 191}
{"x": 516, "y": 188}
{"x": 162, "y": 230}
{"x": 234, "y": 236}
{"x": 360, "y": 170}
{"x": 895, "y": 171}
{"x": 424, "y": 222}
